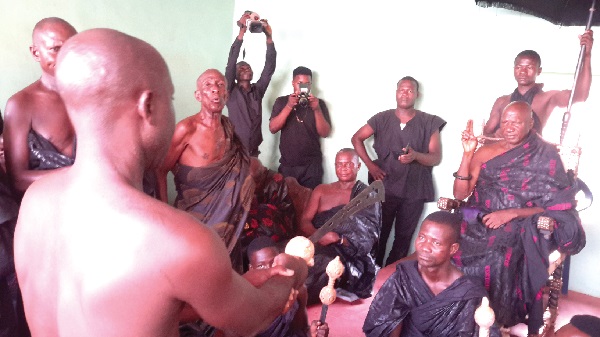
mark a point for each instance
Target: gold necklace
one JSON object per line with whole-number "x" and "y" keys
{"x": 298, "y": 118}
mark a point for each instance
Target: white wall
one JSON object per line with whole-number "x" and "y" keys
{"x": 461, "y": 54}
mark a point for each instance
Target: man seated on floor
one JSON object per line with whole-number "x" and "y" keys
{"x": 429, "y": 296}
{"x": 510, "y": 184}
{"x": 355, "y": 241}
{"x": 210, "y": 166}
{"x": 38, "y": 135}
{"x": 94, "y": 255}
{"x": 294, "y": 323}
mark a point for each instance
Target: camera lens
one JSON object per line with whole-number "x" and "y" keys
{"x": 303, "y": 99}
{"x": 256, "y": 27}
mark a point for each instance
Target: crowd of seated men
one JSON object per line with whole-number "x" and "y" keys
{"x": 221, "y": 183}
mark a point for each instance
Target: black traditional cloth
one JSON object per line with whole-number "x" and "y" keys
{"x": 513, "y": 259}
{"x": 413, "y": 180}
{"x": 43, "y": 155}
{"x": 358, "y": 257}
{"x": 219, "y": 195}
{"x": 12, "y": 316}
{"x": 282, "y": 326}
{"x": 405, "y": 298}
{"x": 245, "y": 107}
{"x": 271, "y": 212}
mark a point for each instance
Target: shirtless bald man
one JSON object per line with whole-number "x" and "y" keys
{"x": 355, "y": 240}
{"x": 38, "y": 135}
{"x": 95, "y": 256}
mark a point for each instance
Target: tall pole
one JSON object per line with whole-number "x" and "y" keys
{"x": 567, "y": 114}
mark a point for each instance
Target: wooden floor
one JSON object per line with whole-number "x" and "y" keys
{"x": 346, "y": 319}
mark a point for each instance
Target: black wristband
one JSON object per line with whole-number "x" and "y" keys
{"x": 456, "y": 176}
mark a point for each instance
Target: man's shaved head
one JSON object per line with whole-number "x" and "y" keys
{"x": 209, "y": 72}
{"x": 104, "y": 68}
{"x": 520, "y": 107}
{"x": 117, "y": 89}
{"x": 52, "y": 23}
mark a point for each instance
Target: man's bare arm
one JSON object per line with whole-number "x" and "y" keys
{"x": 323, "y": 127}
{"x": 225, "y": 299}
{"x": 494, "y": 121}
{"x": 468, "y": 171}
{"x": 16, "y": 150}
{"x": 560, "y": 98}
{"x": 278, "y": 122}
{"x": 358, "y": 141}
{"x": 584, "y": 81}
{"x": 312, "y": 206}
{"x": 178, "y": 144}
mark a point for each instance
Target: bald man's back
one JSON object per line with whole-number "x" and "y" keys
{"x": 95, "y": 256}
{"x": 104, "y": 258}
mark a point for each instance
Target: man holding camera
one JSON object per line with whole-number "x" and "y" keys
{"x": 245, "y": 99}
{"x": 303, "y": 119}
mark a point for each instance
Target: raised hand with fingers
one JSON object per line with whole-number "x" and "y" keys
{"x": 469, "y": 141}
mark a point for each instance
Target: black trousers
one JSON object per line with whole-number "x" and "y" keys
{"x": 403, "y": 214}
{"x": 309, "y": 175}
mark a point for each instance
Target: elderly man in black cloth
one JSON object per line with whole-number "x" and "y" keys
{"x": 303, "y": 120}
{"x": 211, "y": 167}
{"x": 245, "y": 98}
{"x": 354, "y": 241}
{"x": 412, "y": 299}
{"x": 509, "y": 184}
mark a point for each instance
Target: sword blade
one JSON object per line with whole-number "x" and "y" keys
{"x": 367, "y": 197}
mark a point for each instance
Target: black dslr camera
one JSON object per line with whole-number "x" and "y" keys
{"x": 303, "y": 95}
{"x": 253, "y": 23}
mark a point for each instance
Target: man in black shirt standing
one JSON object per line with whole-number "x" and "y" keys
{"x": 245, "y": 99}
{"x": 303, "y": 119}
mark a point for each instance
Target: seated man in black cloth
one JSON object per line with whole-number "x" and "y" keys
{"x": 527, "y": 66}
{"x": 510, "y": 184}
{"x": 245, "y": 98}
{"x": 294, "y": 323}
{"x": 429, "y": 296}
{"x": 355, "y": 241}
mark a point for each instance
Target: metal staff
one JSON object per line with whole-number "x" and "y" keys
{"x": 567, "y": 114}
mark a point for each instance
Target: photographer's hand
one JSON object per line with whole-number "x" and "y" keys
{"x": 267, "y": 30}
{"x": 292, "y": 101}
{"x": 242, "y": 23}
{"x": 313, "y": 101}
